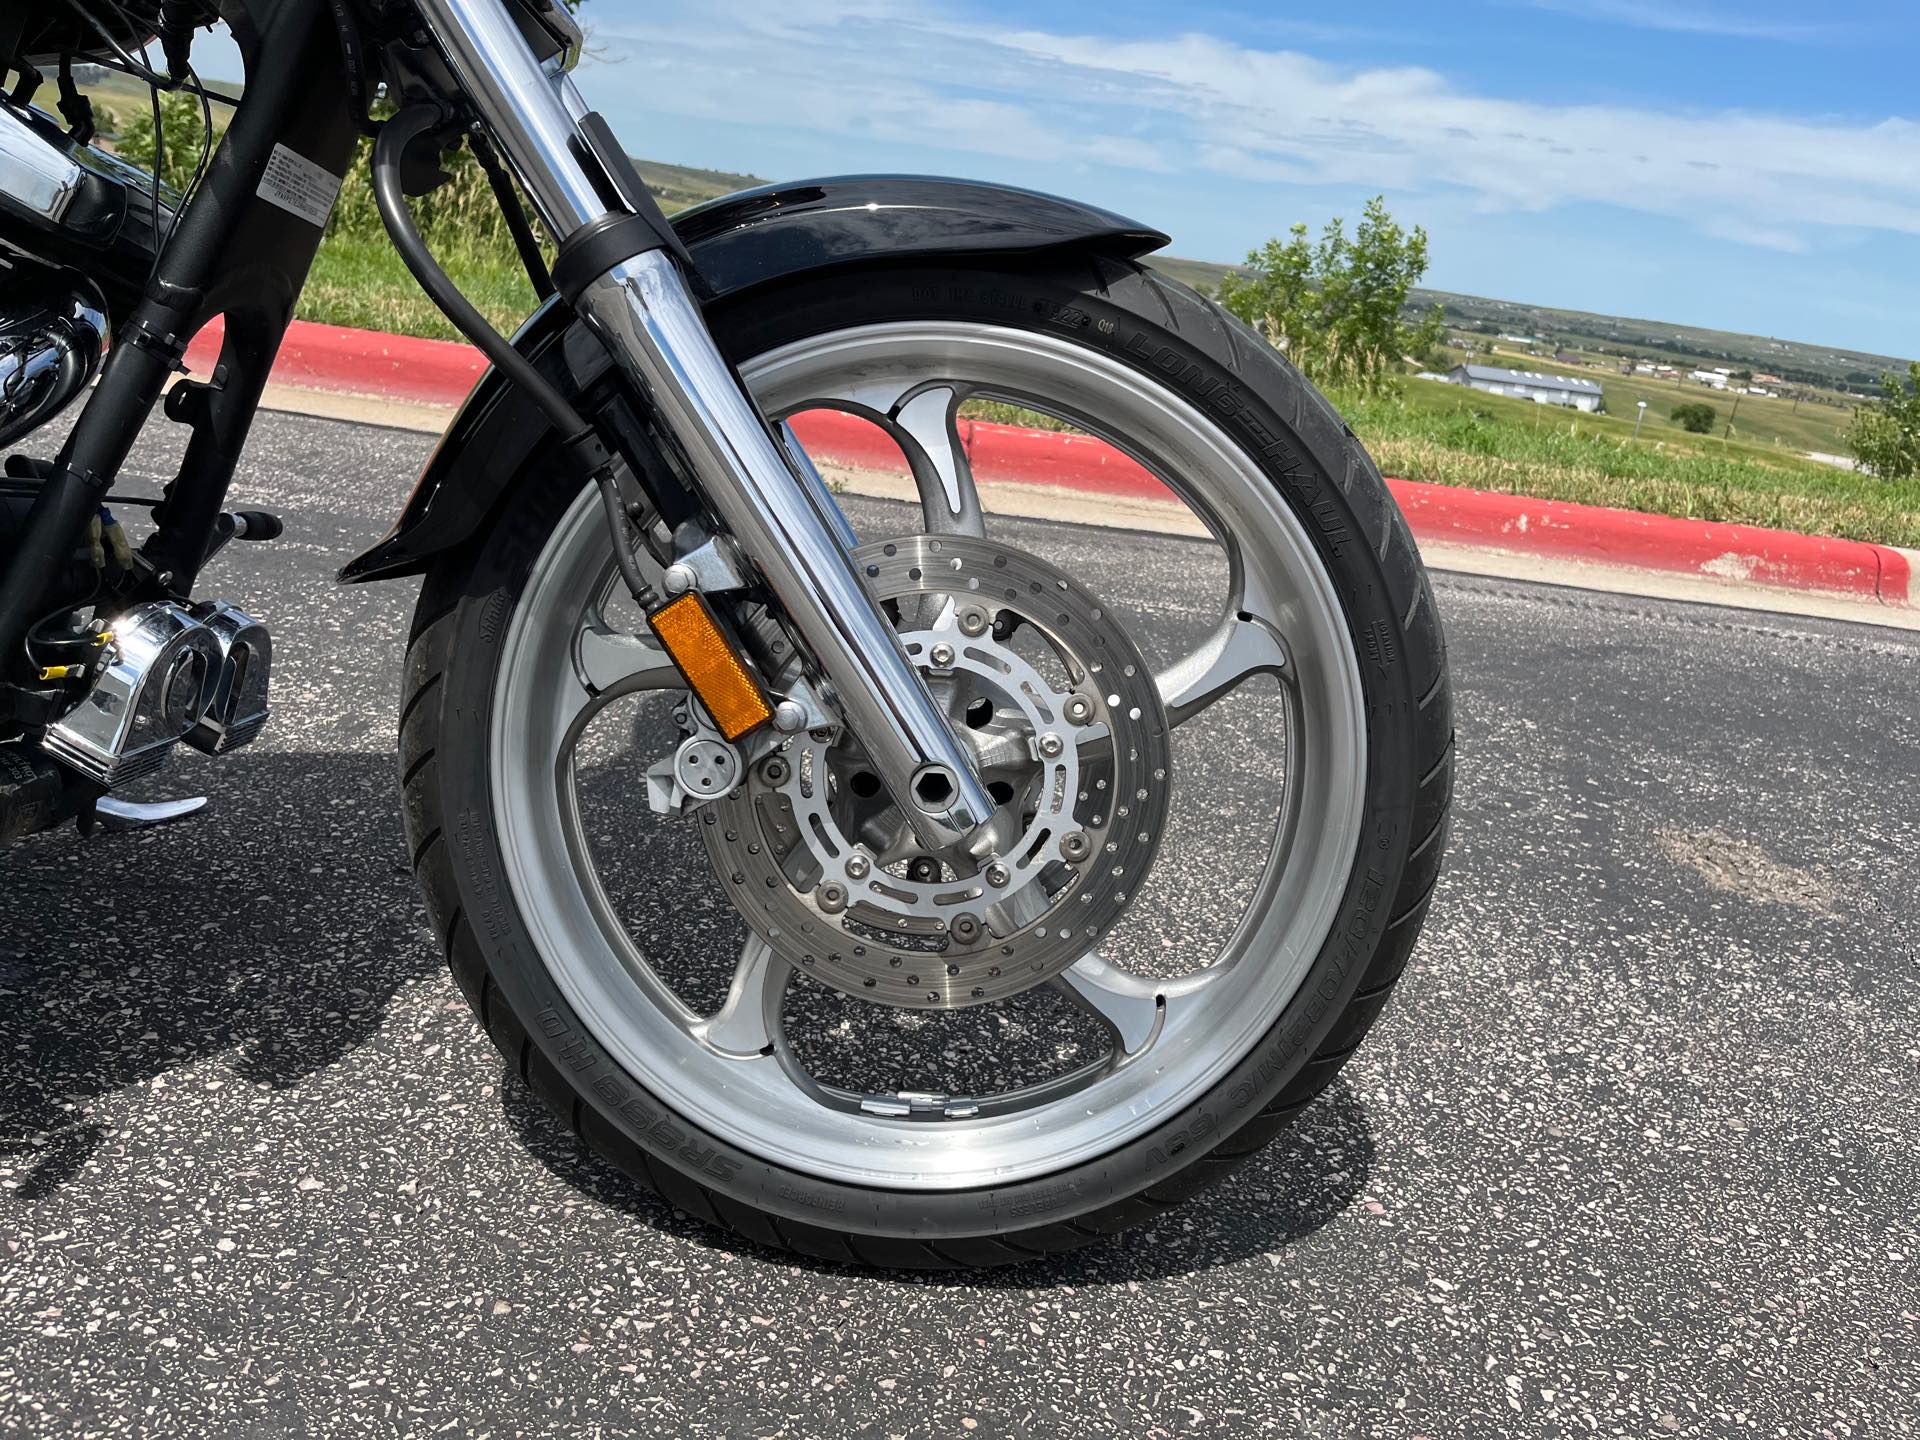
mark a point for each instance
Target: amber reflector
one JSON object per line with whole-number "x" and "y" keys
{"x": 694, "y": 641}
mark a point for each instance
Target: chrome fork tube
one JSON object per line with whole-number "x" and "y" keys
{"x": 643, "y": 312}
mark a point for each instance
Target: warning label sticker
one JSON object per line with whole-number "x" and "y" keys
{"x": 299, "y": 186}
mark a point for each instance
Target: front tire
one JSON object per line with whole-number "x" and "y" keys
{"x": 1324, "y": 489}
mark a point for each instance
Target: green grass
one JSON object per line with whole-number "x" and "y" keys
{"x": 1432, "y": 432}
{"x": 1446, "y": 435}
{"x": 1776, "y": 422}
{"x": 361, "y": 282}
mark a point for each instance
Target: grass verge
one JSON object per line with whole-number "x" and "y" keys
{"x": 1517, "y": 448}
{"x": 1436, "y": 433}
{"x": 363, "y": 283}
{"x": 1444, "y": 435}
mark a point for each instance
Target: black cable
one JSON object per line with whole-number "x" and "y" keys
{"x": 353, "y": 61}
{"x": 524, "y": 239}
{"x": 159, "y": 159}
{"x": 194, "y": 87}
{"x": 132, "y": 66}
{"x": 427, "y": 122}
{"x": 199, "y": 169}
{"x": 418, "y": 122}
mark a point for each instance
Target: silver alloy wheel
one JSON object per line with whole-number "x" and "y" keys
{"x": 730, "y": 1073}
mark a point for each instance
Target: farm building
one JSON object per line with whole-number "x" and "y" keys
{"x": 1525, "y": 385}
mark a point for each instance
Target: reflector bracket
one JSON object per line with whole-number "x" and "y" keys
{"x": 693, "y": 640}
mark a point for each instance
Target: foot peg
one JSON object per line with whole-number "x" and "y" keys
{"x": 119, "y": 816}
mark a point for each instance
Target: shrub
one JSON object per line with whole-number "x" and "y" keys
{"x": 1694, "y": 416}
{"x": 1885, "y": 435}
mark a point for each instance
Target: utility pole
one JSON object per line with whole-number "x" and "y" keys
{"x": 1638, "y": 418}
{"x": 1736, "y": 410}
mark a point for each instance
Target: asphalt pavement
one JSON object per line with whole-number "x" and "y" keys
{"x": 1633, "y": 1152}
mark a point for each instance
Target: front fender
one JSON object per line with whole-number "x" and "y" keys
{"x": 738, "y": 243}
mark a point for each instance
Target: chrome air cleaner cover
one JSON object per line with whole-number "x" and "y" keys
{"x": 1069, "y": 733}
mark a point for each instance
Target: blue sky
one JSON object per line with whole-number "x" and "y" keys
{"x": 1746, "y": 164}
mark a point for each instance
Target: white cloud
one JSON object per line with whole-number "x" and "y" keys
{"x": 919, "y": 72}
{"x": 1678, "y": 18}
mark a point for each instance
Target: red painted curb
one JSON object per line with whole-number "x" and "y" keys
{"x": 328, "y": 357}
{"x": 1656, "y": 542}
{"x": 1436, "y": 512}
{"x": 365, "y": 362}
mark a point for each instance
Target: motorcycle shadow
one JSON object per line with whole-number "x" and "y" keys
{"x": 272, "y": 930}
{"x": 1311, "y": 1172}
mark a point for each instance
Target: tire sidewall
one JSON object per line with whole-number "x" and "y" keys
{"x": 1305, "y": 456}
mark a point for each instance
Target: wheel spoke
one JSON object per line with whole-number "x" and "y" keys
{"x": 747, "y": 1023}
{"x": 930, "y": 420}
{"x": 924, "y": 418}
{"x": 607, "y": 664}
{"x": 613, "y": 662}
{"x": 1132, "y": 1007}
{"x": 1240, "y": 646}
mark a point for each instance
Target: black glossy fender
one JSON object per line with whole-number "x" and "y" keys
{"x": 738, "y": 242}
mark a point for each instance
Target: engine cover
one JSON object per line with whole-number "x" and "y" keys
{"x": 52, "y": 330}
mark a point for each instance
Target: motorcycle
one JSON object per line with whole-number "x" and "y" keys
{"x": 927, "y": 777}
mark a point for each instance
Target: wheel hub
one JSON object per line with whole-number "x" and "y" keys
{"x": 1072, "y": 740}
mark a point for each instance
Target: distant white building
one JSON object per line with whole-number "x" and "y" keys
{"x": 1526, "y": 385}
{"x": 1716, "y": 378}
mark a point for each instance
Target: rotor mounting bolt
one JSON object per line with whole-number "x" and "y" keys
{"x": 973, "y": 622}
{"x": 998, "y": 875}
{"x": 676, "y": 579}
{"x": 1079, "y": 709}
{"x": 833, "y": 899}
{"x": 789, "y": 716}
{"x": 965, "y": 929}
{"x": 1050, "y": 746}
{"x": 941, "y": 656}
{"x": 858, "y": 867}
{"x": 1075, "y": 846}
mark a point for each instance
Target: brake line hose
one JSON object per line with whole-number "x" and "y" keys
{"x": 426, "y": 122}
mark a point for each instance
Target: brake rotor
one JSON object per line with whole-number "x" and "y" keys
{"x": 1069, "y": 734}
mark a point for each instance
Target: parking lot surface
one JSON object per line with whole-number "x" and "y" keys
{"x": 1633, "y": 1152}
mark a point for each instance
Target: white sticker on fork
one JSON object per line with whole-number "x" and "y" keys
{"x": 299, "y": 186}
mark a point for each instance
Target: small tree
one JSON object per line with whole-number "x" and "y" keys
{"x": 182, "y": 133}
{"x": 1693, "y": 416}
{"x": 1885, "y": 435}
{"x": 1335, "y": 308}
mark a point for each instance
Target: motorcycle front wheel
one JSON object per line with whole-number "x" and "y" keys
{"x": 1213, "y": 883}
